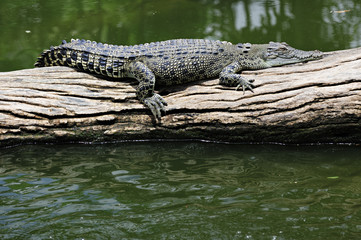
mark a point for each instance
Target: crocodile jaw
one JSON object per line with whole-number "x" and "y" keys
{"x": 278, "y": 54}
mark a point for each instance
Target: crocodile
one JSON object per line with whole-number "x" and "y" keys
{"x": 173, "y": 62}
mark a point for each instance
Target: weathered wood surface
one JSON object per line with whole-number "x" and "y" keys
{"x": 316, "y": 102}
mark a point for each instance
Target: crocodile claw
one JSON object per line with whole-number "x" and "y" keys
{"x": 245, "y": 84}
{"x": 156, "y": 104}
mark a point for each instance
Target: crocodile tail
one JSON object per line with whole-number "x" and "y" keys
{"x": 41, "y": 62}
{"x": 50, "y": 57}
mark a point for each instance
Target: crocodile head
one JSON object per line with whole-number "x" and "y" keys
{"x": 278, "y": 54}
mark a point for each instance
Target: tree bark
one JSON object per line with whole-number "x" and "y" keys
{"x": 315, "y": 102}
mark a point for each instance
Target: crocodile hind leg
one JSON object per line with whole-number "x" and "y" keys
{"x": 229, "y": 77}
{"x": 145, "y": 89}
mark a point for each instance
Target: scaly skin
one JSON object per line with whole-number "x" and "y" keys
{"x": 173, "y": 62}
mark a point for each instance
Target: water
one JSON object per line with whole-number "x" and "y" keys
{"x": 28, "y": 27}
{"x": 178, "y": 190}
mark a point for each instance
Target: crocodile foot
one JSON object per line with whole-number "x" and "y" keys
{"x": 245, "y": 84}
{"x": 156, "y": 104}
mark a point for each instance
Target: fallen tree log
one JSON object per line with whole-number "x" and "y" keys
{"x": 316, "y": 102}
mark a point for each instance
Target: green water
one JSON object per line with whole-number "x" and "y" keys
{"x": 180, "y": 191}
{"x": 28, "y": 27}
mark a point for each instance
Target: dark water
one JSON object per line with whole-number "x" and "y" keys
{"x": 180, "y": 191}
{"x": 27, "y": 27}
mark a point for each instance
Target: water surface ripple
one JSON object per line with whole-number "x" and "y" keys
{"x": 180, "y": 191}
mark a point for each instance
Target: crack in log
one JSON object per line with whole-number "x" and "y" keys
{"x": 305, "y": 86}
{"x": 36, "y": 89}
{"x": 344, "y": 82}
{"x": 19, "y": 114}
{"x": 304, "y": 105}
{"x": 350, "y": 60}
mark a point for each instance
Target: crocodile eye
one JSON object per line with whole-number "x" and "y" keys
{"x": 283, "y": 48}
{"x": 271, "y": 56}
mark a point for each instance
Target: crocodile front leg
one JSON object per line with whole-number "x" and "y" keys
{"x": 145, "y": 89}
{"x": 229, "y": 77}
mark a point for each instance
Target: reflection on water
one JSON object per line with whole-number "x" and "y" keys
{"x": 27, "y": 27}
{"x": 180, "y": 191}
